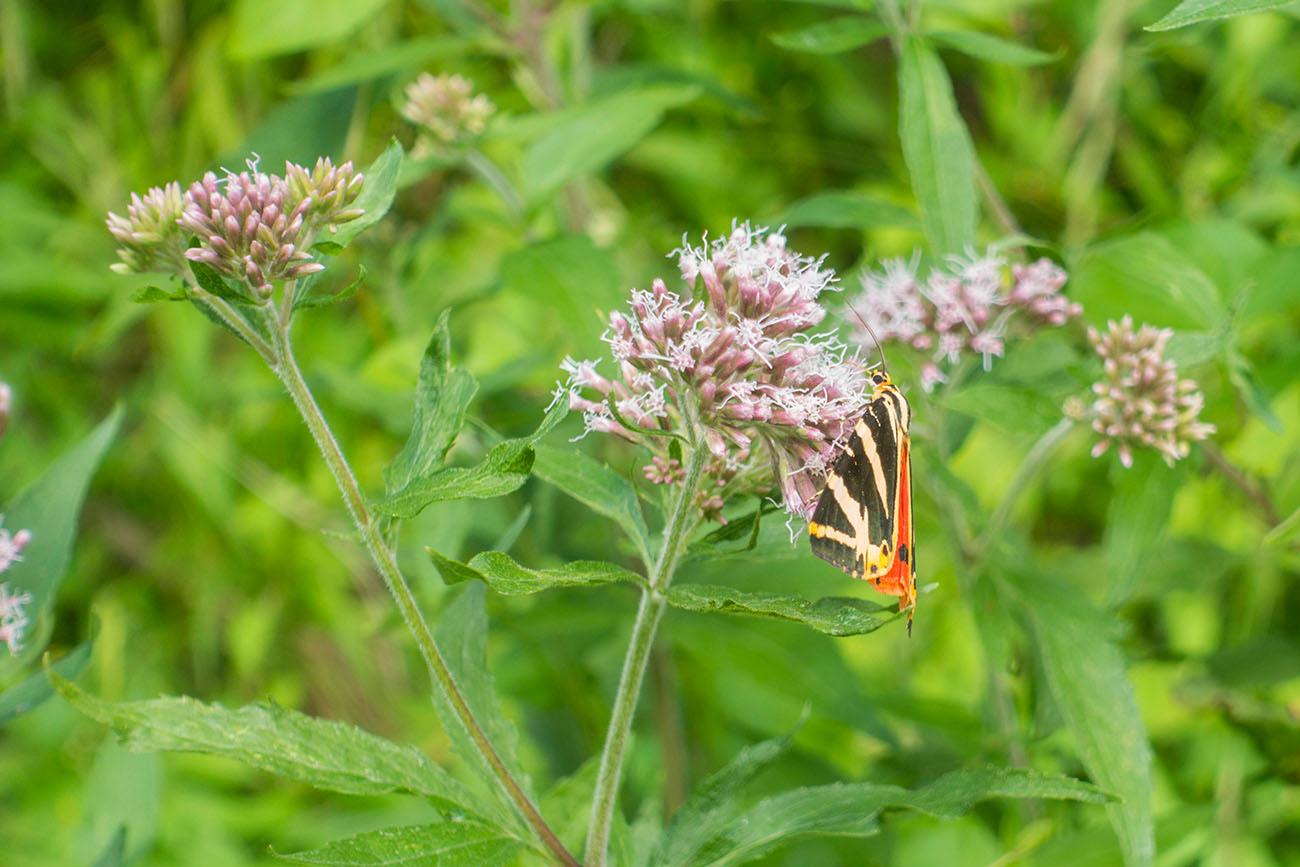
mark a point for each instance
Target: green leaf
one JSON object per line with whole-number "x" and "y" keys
{"x": 306, "y": 300}
{"x": 461, "y": 638}
{"x": 590, "y": 137}
{"x": 114, "y": 854}
{"x": 567, "y": 804}
{"x": 597, "y": 486}
{"x": 154, "y": 294}
{"x": 508, "y": 578}
{"x": 266, "y": 29}
{"x": 49, "y": 510}
{"x": 833, "y": 615}
{"x": 1146, "y": 276}
{"x": 369, "y": 65}
{"x": 504, "y": 469}
{"x": 850, "y": 809}
{"x": 994, "y": 49}
{"x": 441, "y": 398}
{"x": 462, "y": 843}
{"x": 937, "y": 149}
{"x": 377, "y": 193}
{"x": 1012, "y": 408}
{"x": 1136, "y": 520}
{"x": 714, "y": 803}
{"x": 1193, "y": 11}
{"x": 1241, "y": 373}
{"x": 330, "y": 755}
{"x": 833, "y": 36}
{"x": 847, "y": 210}
{"x": 568, "y": 274}
{"x": 1085, "y": 674}
{"x": 36, "y": 689}
{"x": 214, "y": 284}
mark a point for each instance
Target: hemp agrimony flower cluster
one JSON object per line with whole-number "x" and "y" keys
{"x": 251, "y": 226}
{"x": 13, "y": 620}
{"x": 731, "y": 364}
{"x": 446, "y": 106}
{"x": 1140, "y": 400}
{"x": 964, "y": 307}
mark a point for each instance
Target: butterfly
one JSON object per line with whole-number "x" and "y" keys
{"x": 863, "y": 519}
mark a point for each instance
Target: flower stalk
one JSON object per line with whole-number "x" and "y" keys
{"x": 385, "y": 560}
{"x": 257, "y": 230}
{"x": 648, "y": 615}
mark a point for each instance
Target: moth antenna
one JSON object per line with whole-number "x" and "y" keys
{"x": 879, "y": 348}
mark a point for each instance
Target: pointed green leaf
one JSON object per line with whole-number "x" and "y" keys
{"x": 36, "y": 688}
{"x": 377, "y": 193}
{"x": 461, "y": 637}
{"x": 504, "y": 469}
{"x": 590, "y": 137}
{"x": 597, "y": 486}
{"x": 214, "y": 284}
{"x": 306, "y": 301}
{"x": 323, "y": 753}
{"x": 994, "y": 49}
{"x": 463, "y": 843}
{"x": 937, "y": 149}
{"x": 266, "y": 29}
{"x": 1146, "y": 276}
{"x": 850, "y": 809}
{"x": 508, "y": 578}
{"x": 844, "y": 209}
{"x": 1085, "y": 673}
{"x": 1241, "y": 373}
{"x": 568, "y": 274}
{"x": 364, "y": 64}
{"x": 49, "y": 509}
{"x": 1194, "y": 11}
{"x": 114, "y": 854}
{"x": 154, "y": 294}
{"x": 834, "y": 36}
{"x": 441, "y": 398}
{"x": 833, "y": 615}
{"x": 714, "y": 804}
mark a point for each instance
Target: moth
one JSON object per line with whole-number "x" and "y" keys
{"x": 863, "y": 519}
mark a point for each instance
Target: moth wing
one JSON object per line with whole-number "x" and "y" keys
{"x": 853, "y": 524}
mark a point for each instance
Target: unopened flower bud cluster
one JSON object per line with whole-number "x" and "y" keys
{"x": 252, "y": 226}
{"x": 731, "y": 362}
{"x": 447, "y": 106}
{"x": 964, "y": 308}
{"x": 1140, "y": 401}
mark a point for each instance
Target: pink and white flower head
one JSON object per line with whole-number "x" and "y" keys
{"x": 249, "y": 228}
{"x": 730, "y": 362}
{"x": 252, "y": 226}
{"x": 1140, "y": 401}
{"x": 13, "y": 619}
{"x": 963, "y": 308}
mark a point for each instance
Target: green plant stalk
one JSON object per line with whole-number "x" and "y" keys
{"x": 492, "y": 176}
{"x": 1029, "y": 467}
{"x": 648, "y": 616}
{"x": 236, "y": 323}
{"x": 286, "y": 368}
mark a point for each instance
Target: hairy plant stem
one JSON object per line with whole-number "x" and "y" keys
{"x": 648, "y": 616}
{"x": 385, "y": 560}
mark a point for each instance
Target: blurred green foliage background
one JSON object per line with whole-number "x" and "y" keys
{"x": 214, "y": 559}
